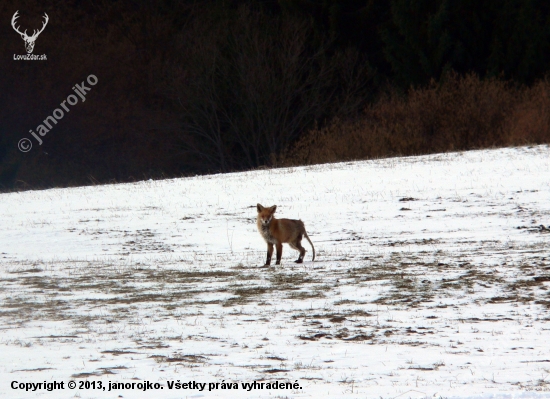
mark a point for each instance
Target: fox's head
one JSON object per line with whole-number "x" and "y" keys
{"x": 265, "y": 214}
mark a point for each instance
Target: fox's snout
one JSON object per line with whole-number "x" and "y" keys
{"x": 265, "y": 220}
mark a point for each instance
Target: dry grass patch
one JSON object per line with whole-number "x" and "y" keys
{"x": 457, "y": 113}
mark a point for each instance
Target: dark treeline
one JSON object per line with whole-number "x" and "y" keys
{"x": 202, "y": 86}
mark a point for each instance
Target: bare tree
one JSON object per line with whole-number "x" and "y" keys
{"x": 249, "y": 86}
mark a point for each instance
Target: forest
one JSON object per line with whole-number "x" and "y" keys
{"x": 212, "y": 86}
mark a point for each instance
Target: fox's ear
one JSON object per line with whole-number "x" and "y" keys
{"x": 273, "y": 208}
{"x": 259, "y": 208}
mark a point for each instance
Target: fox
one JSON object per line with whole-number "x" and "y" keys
{"x": 279, "y": 231}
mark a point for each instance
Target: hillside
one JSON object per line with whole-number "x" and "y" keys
{"x": 431, "y": 280}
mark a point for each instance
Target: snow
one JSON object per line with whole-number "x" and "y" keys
{"x": 431, "y": 279}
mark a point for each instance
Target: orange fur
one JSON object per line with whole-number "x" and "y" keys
{"x": 278, "y": 231}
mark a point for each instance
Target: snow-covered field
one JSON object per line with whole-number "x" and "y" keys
{"x": 432, "y": 279}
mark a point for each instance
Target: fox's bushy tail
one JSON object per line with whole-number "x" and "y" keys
{"x": 312, "y": 247}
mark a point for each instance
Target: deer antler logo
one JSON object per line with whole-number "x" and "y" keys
{"x": 29, "y": 40}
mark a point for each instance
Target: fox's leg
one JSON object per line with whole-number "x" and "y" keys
{"x": 279, "y": 247}
{"x": 269, "y": 253}
{"x": 297, "y": 245}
